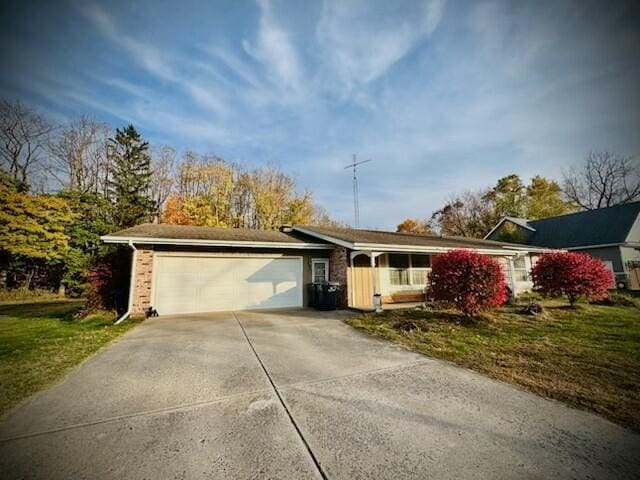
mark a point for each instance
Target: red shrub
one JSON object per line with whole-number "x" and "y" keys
{"x": 571, "y": 274}
{"x": 99, "y": 280}
{"x": 469, "y": 280}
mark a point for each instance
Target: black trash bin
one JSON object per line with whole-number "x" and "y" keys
{"x": 328, "y": 296}
{"x": 313, "y": 289}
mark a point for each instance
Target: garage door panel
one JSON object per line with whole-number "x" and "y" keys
{"x": 188, "y": 284}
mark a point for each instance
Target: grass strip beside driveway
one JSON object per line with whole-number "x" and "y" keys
{"x": 588, "y": 357}
{"x": 41, "y": 341}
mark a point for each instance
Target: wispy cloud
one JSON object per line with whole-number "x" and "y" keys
{"x": 147, "y": 56}
{"x": 156, "y": 61}
{"x": 442, "y": 96}
{"x": 275, "y": 50}
{"x": 360, "y": 47}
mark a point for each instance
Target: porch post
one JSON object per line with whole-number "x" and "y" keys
{"x": 372, "y": 259}
{"x": 352, "y": 283}
{"x": 374, "y": 280}
{"x": 512, "y": 277}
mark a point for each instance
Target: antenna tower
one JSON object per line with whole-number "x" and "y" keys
{"x": 356, "y": 204}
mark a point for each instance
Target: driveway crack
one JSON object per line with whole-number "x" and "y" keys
{"x": 144, "y": 413}
{"x": 283, "y": 403}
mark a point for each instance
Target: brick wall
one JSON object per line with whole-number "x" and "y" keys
{"x": 142, "y": 286}
{"x": 338, "y": 268}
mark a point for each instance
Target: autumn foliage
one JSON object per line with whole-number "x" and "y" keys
{"x": 99, "y": 283}
{"x": 573, "y": 275}
{"x": 470, "y": 281}
{"x": 174, "y": 211}
{"x": 411, "y": 225}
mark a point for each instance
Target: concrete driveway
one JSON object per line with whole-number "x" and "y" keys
{"x": 295, "y": 395}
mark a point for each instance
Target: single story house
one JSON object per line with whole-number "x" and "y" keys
{"x": 185, "y": 269}
{"x": 611, "y": 234}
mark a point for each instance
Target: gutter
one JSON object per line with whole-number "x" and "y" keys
{"x": 434, "y": 249}
{"x": 132, "y": 284}
{"x": 214, "y": 243}
{"x": 326, "y": 238}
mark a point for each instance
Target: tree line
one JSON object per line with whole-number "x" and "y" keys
{"x": 603, "y": 180}
{"x": 63, "y": 186}
{"x": 208, "y": 190}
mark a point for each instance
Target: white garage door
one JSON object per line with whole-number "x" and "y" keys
{"x": 190, "y": 284}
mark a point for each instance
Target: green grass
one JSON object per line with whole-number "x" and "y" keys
{"x": 27, "y": 296}
{"x": 41, "y": 341}
{"x": 588, "y": 357}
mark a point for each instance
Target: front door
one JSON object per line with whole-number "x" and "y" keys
{"x": 362, "y": 282}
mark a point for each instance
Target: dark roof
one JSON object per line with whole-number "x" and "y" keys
{"x": 592, "y": 227}
{"x": 352, "y": 235}
{"x": 187, "y": 232}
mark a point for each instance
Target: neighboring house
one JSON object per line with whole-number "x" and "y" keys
{"x": 612, "y": 234}
{"x": 184, "y": 269}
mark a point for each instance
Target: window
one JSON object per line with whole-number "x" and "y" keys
{"x": 520, "y": 272}
{"x": 397, "y": 260}
{"x": 420, "y": 265}
{"x": 319, "y": 270}
{"x": 407, "y": 269}
{"x": 420, "y": 261}
{"x": 419, "y": 276}
{"x": 399, "y": 269}
{"x": 399, "y": 276}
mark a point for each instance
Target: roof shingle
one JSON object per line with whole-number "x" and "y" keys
{"x": 352, "y": 235}
{"x": 188, "y": 232}
{"x": 603, "y": 226}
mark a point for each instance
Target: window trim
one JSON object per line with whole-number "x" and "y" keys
{"x": 315, "y": 261}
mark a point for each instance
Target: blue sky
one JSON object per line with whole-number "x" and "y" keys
{"x": 443, "y": 96}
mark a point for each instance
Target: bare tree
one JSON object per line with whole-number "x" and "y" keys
{"x": 162, "y": 175}
{"x": 23, "y": 135}
{"x": 321, "y": 218}
{"x": 466, "y": 215}
{"x": 605, "y": 179}
{"x": 79, "y": 156}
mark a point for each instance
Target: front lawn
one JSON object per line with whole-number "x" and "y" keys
{"x": 41, "y": 341}
{"x": 588, "y": 357}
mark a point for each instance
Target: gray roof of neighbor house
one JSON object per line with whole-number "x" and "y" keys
{"x": 603, "y": 226}
{"x": 168, "y": 232}
{"x": 376, "y": 237}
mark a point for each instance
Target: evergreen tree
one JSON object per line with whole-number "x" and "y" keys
{"x": 85, "y": 247}
{"x": 129, "y": 187}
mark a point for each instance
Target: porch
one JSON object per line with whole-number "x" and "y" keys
{"x": 401, "y": 277}
{"x": 397, "y": 277}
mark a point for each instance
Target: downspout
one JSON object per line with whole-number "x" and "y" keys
{"x": 132, "y": 284}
